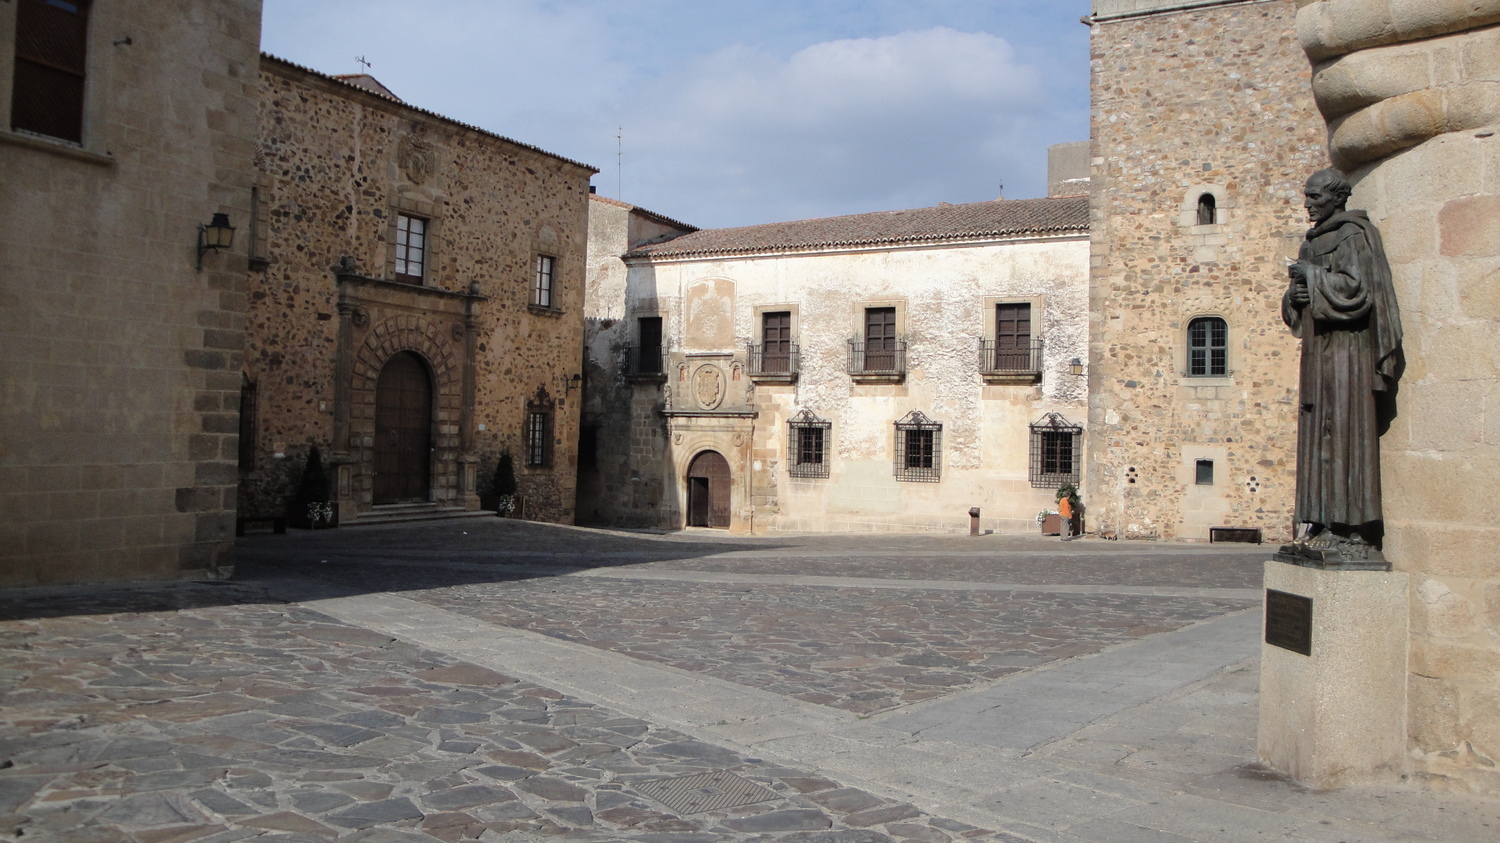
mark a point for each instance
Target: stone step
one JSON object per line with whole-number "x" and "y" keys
{"x": 404, "y": 512}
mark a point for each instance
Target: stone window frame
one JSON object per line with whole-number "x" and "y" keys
{"x": 758, "y": 314}
{"x": 988, "y": 336}
{"x": 1184, "y": 352}
{"x": 857, "y": 316}
{"x": 1224, "y": 208}
{"x": 409, "y": 206}
{"x": 98, "y": 68}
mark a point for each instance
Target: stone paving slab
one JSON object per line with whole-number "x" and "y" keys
{"x": 993, "y": 558}
{"x": 255, "y": 720}
{"x": 858, "y": 649}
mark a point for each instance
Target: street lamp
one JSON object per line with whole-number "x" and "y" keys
{"x": 218, "y": 234}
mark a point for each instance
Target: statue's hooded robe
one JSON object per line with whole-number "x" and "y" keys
{"x": 1351, "y": 350}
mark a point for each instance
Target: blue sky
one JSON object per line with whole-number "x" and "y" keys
{"x": 736, "y": 113}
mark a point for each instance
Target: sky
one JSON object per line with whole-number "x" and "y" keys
{"x": 724, "y": 113}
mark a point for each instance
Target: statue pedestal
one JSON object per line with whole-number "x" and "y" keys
{"x": 1337, "y": 716}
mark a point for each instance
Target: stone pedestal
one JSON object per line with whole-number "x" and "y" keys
{"x": 1337, "y": 717}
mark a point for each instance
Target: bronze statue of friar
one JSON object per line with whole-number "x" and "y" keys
{"x": 1342, "y": 304}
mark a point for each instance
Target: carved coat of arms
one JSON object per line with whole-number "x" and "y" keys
{"x": 708, "y": 387}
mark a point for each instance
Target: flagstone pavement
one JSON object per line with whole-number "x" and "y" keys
{"x": 498, "y": 680}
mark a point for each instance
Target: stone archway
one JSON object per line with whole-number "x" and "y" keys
{"x": 708, "y": 485}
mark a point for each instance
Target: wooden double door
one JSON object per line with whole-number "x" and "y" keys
{"x": 403, "y": 430}
{"x": 708, "y": 491}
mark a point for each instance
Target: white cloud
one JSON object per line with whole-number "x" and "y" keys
{"x": 875, "y": 121}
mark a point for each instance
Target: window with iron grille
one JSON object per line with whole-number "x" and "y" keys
{"x": 411, "y": 248}
{"x": 1208, "y": 347}
{"x": 807, "y": 445}
{"x": 919, "y": 447}
{"x": 51, "y": 56}
{"x": 1056, "y": 448}
{"x": 247, "y": 424}
{"x": 541, "y": 291}
{"x": 539, "y": 412}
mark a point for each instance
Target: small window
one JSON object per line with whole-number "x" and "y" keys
{"x": 1205, "y": 472}
{"x": 1056, "y": 445}
{"x": 541, "y": 291}
{"x": 919, "y": 443}
{"x": 807, "y": 445}
{"x": 539, "y": 413}
{"x": 51, "y": 52}
{"x": 411, "y": 248}
{"x": 1208, "y": 347}
{"x": 1208, "y": 209}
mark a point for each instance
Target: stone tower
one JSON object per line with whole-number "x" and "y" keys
{"x": 1204, "y": 129}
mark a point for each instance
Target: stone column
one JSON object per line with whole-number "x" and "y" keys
{"x": 343, "y": 457}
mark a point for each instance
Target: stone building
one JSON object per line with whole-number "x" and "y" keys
{"x": 1204, "y": 130}
{"x": 415, "y": 304}
{"x": 1411, "y": 91}
{"x": 881, "y": 371}
{"x": 131, "y": 126}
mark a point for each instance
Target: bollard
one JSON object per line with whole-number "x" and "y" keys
{"x": 973, "y": 520}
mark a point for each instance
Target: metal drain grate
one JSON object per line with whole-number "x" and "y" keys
{"x": 704, "y": 792}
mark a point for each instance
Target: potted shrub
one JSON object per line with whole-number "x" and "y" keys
{"x": 311, "y": 507}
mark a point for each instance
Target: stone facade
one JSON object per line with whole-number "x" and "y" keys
{"x": 1209, "y": 104}
{"x": 119, "y": 359}
{"x": 336, "y": 294}
{"x": 1411, "y": 91}
{"x": 714, "y": 389}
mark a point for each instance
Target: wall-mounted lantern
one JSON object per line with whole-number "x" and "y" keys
{"x": 572, "y": 383}
{"x": 218, "y": 234}
{"x": 1075, "y": 366}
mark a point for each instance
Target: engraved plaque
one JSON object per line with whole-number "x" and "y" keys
{"x": 1289, "y": 621}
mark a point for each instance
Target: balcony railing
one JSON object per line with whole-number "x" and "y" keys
{"x": 1010, "y": 359}
{"x": 884, "y": 360}
{"x": 779, "y": 361}
{"x": 648, "y": 363}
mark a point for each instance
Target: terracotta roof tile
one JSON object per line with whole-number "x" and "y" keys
{"x": 652, "y": 215}
{"x": 978, "y": 220}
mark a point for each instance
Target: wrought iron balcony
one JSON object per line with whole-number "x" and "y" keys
{"x": 645, "y": 364}
{"x": 1010, "y": 361}
{"x": 883, "y": 361}
{"x": 774, "y": 361}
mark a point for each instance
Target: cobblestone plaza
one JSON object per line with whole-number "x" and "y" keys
{"x": 501, "y": 680}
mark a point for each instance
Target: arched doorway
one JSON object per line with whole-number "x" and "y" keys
{"x": 403, "y": 430}
{"x": 708, "y": 491}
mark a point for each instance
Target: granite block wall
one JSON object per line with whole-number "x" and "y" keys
{"x": 1211, "y": 100}
{"x": 119, "y": 359}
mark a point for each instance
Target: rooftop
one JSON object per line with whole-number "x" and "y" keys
{"x": 998, "y": 219}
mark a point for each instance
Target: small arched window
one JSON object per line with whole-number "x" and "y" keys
{"x": 1208, "y": 209}
{"x": 1208, "y": 347}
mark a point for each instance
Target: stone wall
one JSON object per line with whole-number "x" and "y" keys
{"x": 119, "y": 361}
{"x": 619, "y": 413}
{"x": 1411, "y": 91}
{"x": 1213, "y": 100}
{"x": 336, "y": 165}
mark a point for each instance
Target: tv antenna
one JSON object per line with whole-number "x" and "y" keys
{"x": 363, "y": 63}
{"x": 620, "y": 162}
